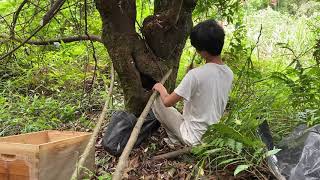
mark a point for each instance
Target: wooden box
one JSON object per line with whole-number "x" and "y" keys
{"x": 45, "y": 155}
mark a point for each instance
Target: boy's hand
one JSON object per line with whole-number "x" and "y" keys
{"x": 159, "y": 87}
{"x": 167, "y": 99}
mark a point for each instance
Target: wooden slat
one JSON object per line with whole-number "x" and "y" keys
{"x": 30, "y": 138}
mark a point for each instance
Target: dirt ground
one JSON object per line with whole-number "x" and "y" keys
{"x": 141, "y": 165}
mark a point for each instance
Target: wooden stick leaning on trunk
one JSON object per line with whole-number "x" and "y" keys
{"x": 173, "y": 154}
{"x": 96, "y": 130}
{"x": 122, "y": 163}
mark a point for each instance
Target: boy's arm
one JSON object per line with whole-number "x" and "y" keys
{"x": 167, "y": 99}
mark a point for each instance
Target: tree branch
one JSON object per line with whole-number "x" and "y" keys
{"x": 69, "y": 39}
{"x": 45, "y": 20}
{"x": 53, "y": 10}
{"x": 15, "y": 17}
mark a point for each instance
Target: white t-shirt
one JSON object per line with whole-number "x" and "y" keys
{"x": 205, "y": 91}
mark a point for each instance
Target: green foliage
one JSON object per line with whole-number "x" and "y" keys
{"x": 298, "y": 7}
{"x": 255, "y": 5}
{"x": 28, "y": 114}
{"x": 265, "y": 82}
{"x": 49, "y": 87}
{"x": 219, "y": 9}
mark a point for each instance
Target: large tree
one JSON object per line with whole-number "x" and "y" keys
{"x": 141, "y": 59}
{"x": 141, "y": 55}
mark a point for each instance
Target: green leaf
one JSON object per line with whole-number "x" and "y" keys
{"x": 241, "y": 168}
{"x": 212, "y": 151}
{"x": 228, "y": 161}
{"x": 272, "y": 152}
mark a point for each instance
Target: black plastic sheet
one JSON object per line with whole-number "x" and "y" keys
{"x": 299, "y": 158}
{"x": 119, "y": 130}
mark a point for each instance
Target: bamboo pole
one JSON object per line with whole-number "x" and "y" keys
{"x": 122, "y": 163}
{"x": 96, "y": 130}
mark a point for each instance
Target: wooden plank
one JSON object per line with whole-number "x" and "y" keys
{"x": 29, "y": 138}
{"x": 58, "y": 135}
{"x": 19, "y": 167}
{"x": 65, "y": 155}
{"x": 15, "y": 148}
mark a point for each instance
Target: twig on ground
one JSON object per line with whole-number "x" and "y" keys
{"x": 123, "y": 160}
{"x": 96, "y": 130}
{"x": 173, "y": 154}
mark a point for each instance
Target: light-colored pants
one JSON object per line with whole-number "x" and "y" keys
{"x": 170, "y": 118}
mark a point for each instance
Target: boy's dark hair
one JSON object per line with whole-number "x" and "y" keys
{"x": 208, "y": 36}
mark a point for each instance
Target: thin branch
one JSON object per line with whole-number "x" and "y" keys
{"x": 15, "y": 17}
{"x": 4, "y": 19}
{"x": 45, "y": 20}
{"x": 69, "y": 39}
{"x": 96, "y": 130}
{"x": 93, "y": 48}
{"x": 135, "y": 132}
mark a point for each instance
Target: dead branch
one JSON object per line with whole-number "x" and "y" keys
{"x": 122, "y": 163}
{"x": 96, "y": 130}
{"x": 70, "y": 39}
{"x": 173, "y": 154}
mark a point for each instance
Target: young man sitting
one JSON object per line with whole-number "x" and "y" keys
{"x": 204, "y": 89}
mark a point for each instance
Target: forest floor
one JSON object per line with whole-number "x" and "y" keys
{"x": 142, "y": 166}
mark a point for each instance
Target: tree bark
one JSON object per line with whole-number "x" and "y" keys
{"x": 141, "y": 61}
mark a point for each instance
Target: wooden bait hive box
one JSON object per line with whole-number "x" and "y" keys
{"x": 45, "y": 155}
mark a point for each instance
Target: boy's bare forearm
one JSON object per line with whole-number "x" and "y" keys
{"x": 163, "y": 95}
{"x": 167, "y": 99}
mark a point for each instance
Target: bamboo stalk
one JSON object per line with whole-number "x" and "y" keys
{"x": 96, "y": 130}
{"x": 122, "y": 163}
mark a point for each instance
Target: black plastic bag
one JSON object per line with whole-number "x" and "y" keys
{"x": 299, "y": 158}
{"x": 119, "y": 130}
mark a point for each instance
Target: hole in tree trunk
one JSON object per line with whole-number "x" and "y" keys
{"x": 147, "y": 81}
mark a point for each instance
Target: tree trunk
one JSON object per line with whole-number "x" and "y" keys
{"x": 141, "y": 61}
